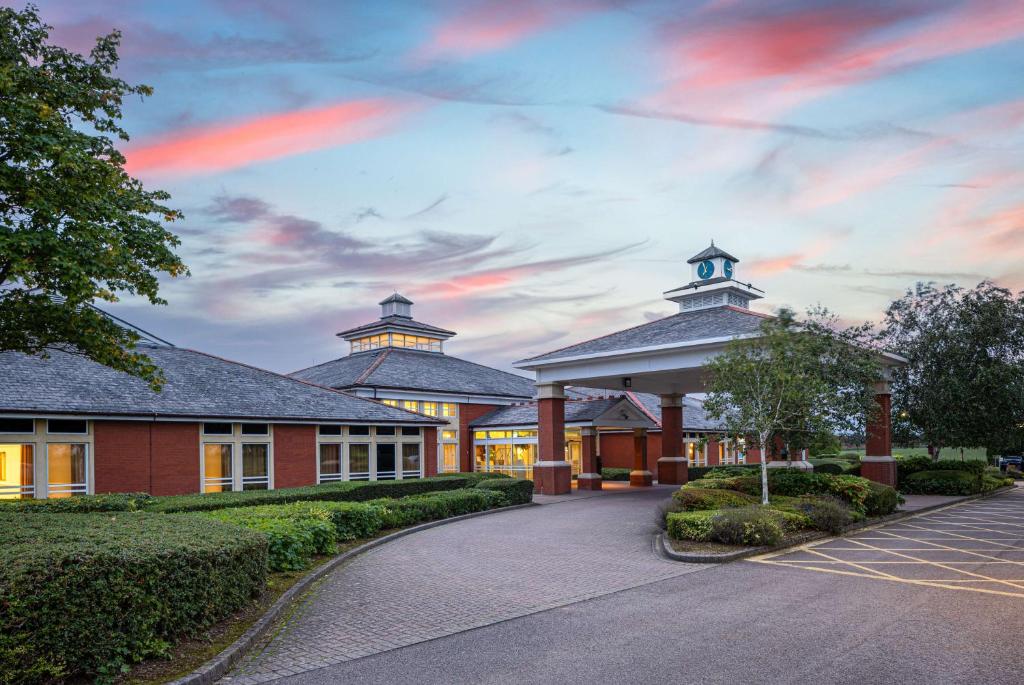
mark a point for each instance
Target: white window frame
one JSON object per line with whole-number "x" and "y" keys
{"x": 40, "y": 439}
{"x": 70, "y": 489}
{"x": 442, "y": 442}
{"x": 237, "y": 441}
{"x": 347, "y": 440}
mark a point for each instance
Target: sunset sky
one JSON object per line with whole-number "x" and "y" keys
{"x": 536, "y": 173}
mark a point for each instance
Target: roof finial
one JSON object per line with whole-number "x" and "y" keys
{"x": 712, "y": 242}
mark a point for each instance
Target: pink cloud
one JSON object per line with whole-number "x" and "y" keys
{"x": 228, "y": 145}
{"x": 773, "y": 265}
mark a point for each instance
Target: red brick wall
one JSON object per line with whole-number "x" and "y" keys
{"x": 551, "y": 429}
{"x": 121, "y": 457}
{"x": 175, "y": 458}
{"x": 879, "y": 430}
{"x": 429, "y": 452}
{"x": 468, "y": 413}
{"x": 617, "y": 450}
{"x": 294, "y": 455}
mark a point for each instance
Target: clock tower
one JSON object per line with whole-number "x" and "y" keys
{"x": 713, "y": 283}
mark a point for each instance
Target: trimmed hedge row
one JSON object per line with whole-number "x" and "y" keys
{"x": 750, "y": 525}
{"x": 300, "y": 530}
{"x": 615, "y": 474}
{"x": 515, "y": 491}
{"x": 80, "y": 504}
{"x": 906, "y": 466}
{"x": 946, "y": 482}
{"x": 696, "y": 499}
{"x": 85, "y": 595}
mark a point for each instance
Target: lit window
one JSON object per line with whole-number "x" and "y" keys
{"x": 450, "y": 458}
{"x": 449, "y": 436}
{"x": 17, "y": 471}
{"x": 411, "y": 405}
{"x": 217, "y": 468}
{"x": 390, "y": 403}
{"x": 449, "y": 409}
{"x": 66, "y": 470}
{"x": 330, "y": 462}
{"x": 430, "y": 408}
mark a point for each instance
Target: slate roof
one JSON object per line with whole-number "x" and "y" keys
{"x": 396, "y": 298}
{"x": 694, "y": 417}
{"x": 678, "y": 328}
{"x": 395, "y": 321}
{"x": 198, "y": 385}
{"x": 526, "y": 414}
{"x": 406, "y": 369}
{"x": 710, "y": 253}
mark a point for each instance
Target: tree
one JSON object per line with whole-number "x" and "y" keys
{"x": 964, "y": 384}
{"x": 74, "y": 226}
{"x": 797, "y": 380}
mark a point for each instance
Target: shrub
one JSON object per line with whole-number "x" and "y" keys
{"x": 81, "y": 504}
{"x": 515, "y": 491}
{"x": 85, "y": 595}
{"x": 829, "y": 468}
{"x": 753, "y": 525}
{"x": 941, "y": 482}
{"x": 694, "y": 499}
{"x": 690, "y": 525}
{"x": 292, "y": 538}
{"x": 827, "y": 513}
{"x": 350, "y": 491}
{"x": 731, "y": 471}
{"x": 615, "y": 474}
{"x": 475, "y": 477}
{"x": 882, "y": 500}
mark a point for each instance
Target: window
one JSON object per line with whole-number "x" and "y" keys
{"x": 430, "y": 408}
{"x": 255, "y": 429}
{"x": 390, "y": 403}
{"x": 410, "y": 460}
{"x": 329, "y": 430}
{"x": 449, "y": 458}
{"x": 330, "y": 462}
{"x": 71, "y": 426}
{"x": 217, "y": 468}
{"x": 387, "y": 455}
{"x": 256, "y": 466}
{"x": 450, "y": 410}
{"x": 409, "y": 431}
{"x": 449, "y": 436}
{"x": 17, "y": 471}
{"x": 411, "y": 405}
{"x": 359, "y": 461}
{"x": 358, "y": 430}
{"x": 21, "y": 426}
{"x": 217, "y": 429}
{"x": 385, "y": 430}
{"x": 66, "y": 469}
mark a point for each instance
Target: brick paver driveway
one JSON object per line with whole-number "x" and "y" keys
{"x": 469, "y": 574}
{"x": 976, "y": 546}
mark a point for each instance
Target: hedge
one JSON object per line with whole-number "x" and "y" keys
{"x": 514, "y": 491}
{"x": 698, "y": 472}
{"x": 131, "y": 501}
{"x": 749, "y": 525}
{"x": 616, "y": 474}
{"x": 299, "y": 530}
{"x": 907, "y": 466}
{"x": 695, "y": 499}
{"x": 83, "y": 596}
{"x": 345, "y": 491}
{"x": 951, "y": 482}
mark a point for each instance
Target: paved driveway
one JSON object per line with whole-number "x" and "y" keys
{"x": 470, "y": 574}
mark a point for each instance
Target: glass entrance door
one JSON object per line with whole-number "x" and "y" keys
{"x": 386, "y": 461}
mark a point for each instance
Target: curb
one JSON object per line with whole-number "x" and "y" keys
{"x": 694, "y": 558}
{"x": 219, "y": 665}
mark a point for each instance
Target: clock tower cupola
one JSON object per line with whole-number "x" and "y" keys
{"x": 713, "y": 283}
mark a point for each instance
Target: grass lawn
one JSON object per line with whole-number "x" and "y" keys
{"x": 970, "y": 453}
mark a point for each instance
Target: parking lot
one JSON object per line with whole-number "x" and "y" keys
{"x": 976, "y": 546}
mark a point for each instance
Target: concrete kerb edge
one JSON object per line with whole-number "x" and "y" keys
{"x": 665, "y": 547}
{"x": 218, "y": 666}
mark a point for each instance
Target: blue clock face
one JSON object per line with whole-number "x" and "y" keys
{"x": 705, "y": 269}
{"x": 727, "y": 268}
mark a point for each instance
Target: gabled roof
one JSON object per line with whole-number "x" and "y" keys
{"x": 683, "y": 327}
{"x": 710, "y": 253}
{"x": 198, "y": 385}
{"x": 405, "y": 369}
{"x": 694, "y": 416}
{"x": 576, "y": 411}
{"x": 398, "y": 322}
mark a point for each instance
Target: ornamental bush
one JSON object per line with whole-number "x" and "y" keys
{"x": 695, "y": 499}
{"x": 85, "y": 595}
{"x": 827, "y": 513}
{"x": 690, "y": 525}
{"x": 350, "y": 491}
{"x": 80, "y": 504}
{"x": 754, "y": 525}
{"x": 616, "y": 474}
{"x": 829, "y": 468}
{"x": 941, "y": 482}
{"x": 882, "y": 500}
{"x": 515, "y": 491}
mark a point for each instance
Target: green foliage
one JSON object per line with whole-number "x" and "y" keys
{"x": 350, "y": 491}
{"x": 617, "y": 474}
{"x": 693, "y": 499}
{"x": 830, "y": 468}
{"x": 964, "y": 349}
{"x": 474, "y": 477}
{"x": 690, "y": 525}
{"x": 824, "y": 444}
{"x": 882, "y": 500}
{"x": 755, "y": 525}
{"x": 87, "y": 594}
{"x": 73, "y": 223}
{"x": 130, "y": 501}
{"x": 514, "y": 491}
{"x": 949, "y": 482}
{"x": 829, "y": 514}
{"x": 907, "y": 466}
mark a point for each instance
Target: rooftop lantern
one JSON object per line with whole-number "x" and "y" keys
{"x": 713, "y": 283}
{"x": 396, "y": 329}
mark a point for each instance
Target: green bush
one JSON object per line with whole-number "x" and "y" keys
{"x": 349, "y": 491}
{"x": 732, "y": 471}
{"x": 84, "y": 595}
{"x": 690, "y": 525}
{"x": 475, "y": 477}
{"x": 882, "y": 500}
{"x": 515, "y": 491}
{"x": 941, "y": 482}
{"x": 829, "y": 468}
{"x": 614, "y": 473}
{"x": 754, "y": 525}
{"x": 907, "y": 466}
{"x": 293, "y": 538}
{"x": 694, "y": 499}
{"x": 829, "y": 514}
{"x": 80, "y": 504}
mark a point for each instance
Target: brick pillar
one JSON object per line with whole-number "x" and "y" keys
{"x": 552, "y": 474}
{"x": 590, "y": 477}
{"x": 672, "y": 466}
{"x": 878, "y": 464}
{"x": 640, "y": 476}
{"x": 712, "y": 448}
{"x": 430, "y": 451}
